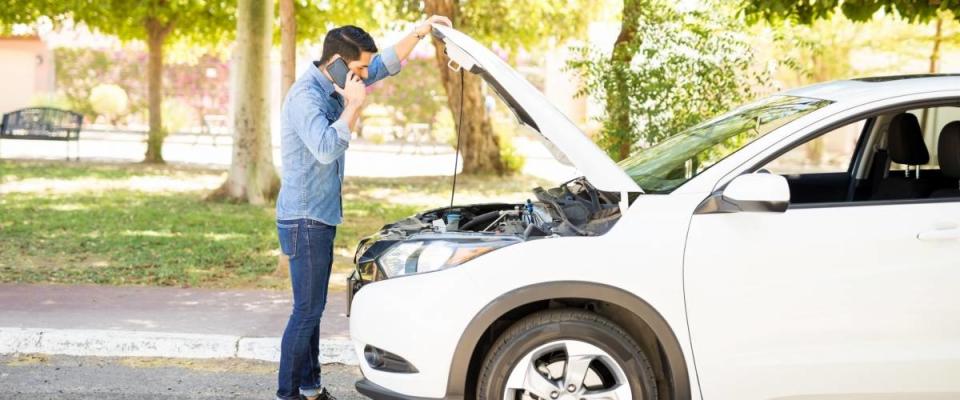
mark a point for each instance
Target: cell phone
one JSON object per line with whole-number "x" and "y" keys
{"x": 338, "y": 71}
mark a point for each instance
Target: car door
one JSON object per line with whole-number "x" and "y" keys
{"x": 826, "y": 301}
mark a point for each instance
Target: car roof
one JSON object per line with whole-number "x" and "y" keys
{"x": 865, "y": 90}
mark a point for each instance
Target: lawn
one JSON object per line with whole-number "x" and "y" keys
{"x": 133, "y": 224}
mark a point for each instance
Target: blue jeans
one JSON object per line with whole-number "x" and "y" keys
{"x": 309, "y": 246}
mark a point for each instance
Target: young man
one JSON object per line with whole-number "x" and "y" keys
{"x": 317, "y": 119}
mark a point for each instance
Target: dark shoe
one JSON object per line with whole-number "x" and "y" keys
{"x": 324, "y": 395}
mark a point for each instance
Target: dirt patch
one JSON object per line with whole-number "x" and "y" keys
{"x": 28, "y": 359}
{"x": 205, "y": 365}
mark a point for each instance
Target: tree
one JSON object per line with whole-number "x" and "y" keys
{"x": 510, "y": 25}
{"x": 669, "y": 69}
{"x": 252, "y": 177}
{"x": 806, "y": 12}
{"x": 288, "y": 46}
{"x": 157, "y": 22}
{"x": 616, "y": 87}
{"x": 309, "y": 20}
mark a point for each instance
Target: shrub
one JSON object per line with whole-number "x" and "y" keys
{"x": 109, "y": 100}
{"x": 176, "y": 115}
{"x": 51, "y": 100}
{"x": 513, "y": 162}
{"x": 682, "y": 68}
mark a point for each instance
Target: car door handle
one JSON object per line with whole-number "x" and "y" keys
{"x": 940, "y": 234}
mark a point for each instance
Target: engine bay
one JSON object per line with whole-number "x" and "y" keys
{"x": 575, "y": 208}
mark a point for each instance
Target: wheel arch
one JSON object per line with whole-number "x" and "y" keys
{"x": 639, "y": 318}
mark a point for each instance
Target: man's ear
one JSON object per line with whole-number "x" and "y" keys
{"x": 332, "y": 59}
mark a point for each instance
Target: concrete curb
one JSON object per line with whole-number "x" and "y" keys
{"x": 108, "y": 343}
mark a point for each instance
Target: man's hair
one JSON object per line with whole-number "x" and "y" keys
{"x": 348, "y": 41}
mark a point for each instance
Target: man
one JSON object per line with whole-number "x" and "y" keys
{"x": 317, "y": 119}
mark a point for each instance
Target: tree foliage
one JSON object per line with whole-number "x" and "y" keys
{"x": 157, "y": 22}
{"x": 514, "y": 25}
{"x": 502, "y": 25}
{"x": 315, "y": 17}
{"x": 671, "y": 70}
{"x": 806, "y": 12}
{"x": 819, "y": 52}
{"x": 198, "y": 21}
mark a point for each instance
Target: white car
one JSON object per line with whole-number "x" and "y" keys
{"x": 804, "y": 246}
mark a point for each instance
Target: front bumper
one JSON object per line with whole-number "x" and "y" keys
{"x": 377, "y": 392}
{"x": 419, "y": 318}
{"x": 354, "y": 283}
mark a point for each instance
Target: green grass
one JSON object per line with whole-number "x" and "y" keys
{"x": 21, "y": 170}
{"x": 121, "y": 224}
{"x": 128, "y": 237}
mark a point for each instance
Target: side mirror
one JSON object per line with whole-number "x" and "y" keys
{"x": 750, "y": 193}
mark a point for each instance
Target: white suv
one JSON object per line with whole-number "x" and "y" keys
{"x": 803, "y": 246}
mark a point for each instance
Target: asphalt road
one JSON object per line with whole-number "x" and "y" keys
{"x": 37, "y": 377}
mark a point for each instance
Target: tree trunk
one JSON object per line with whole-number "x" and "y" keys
{"x": 288, "y": 47}
{"x": 480, "y": 147}
{"x": 937, "y": 39}
{"x": 934, "y": 68}
{"x": 252, "y": 177}
{"x": 617, "y": 93}
{"x": 156, "y": 35}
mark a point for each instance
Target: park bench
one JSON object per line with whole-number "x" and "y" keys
{"x": 214, "y": 126}
{"x": 43, "y": 123}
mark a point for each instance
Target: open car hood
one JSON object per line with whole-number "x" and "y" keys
{"x": 535, "y": 111}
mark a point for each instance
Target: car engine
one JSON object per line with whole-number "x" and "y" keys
{"x": 575, "y": 208}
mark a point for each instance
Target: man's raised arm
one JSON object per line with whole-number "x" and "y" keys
{"x": 388, "y": 61}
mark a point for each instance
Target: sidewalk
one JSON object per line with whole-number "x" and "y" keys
{"x": 88, "y": 320}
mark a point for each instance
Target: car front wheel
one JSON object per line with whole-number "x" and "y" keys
{"x": 566, "y": 355}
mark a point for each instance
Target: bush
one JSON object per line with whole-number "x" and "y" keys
{"x": 377, "y": 138}
{"x": 682, "y": 68}
{"x": 203, "y": 83}
{"x": 50, "y": 100}
{"x": 110, "y": 100}
{"x": 513, "y": 162}
{"x": 176, "y": 115}
{"x": 505, "y": 127}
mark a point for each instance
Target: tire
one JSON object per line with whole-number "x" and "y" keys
{"x": 544, "y": 343}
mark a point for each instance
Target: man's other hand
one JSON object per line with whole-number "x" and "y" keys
{"x": 423, "y": 28}
{"x": 354, "y": 91}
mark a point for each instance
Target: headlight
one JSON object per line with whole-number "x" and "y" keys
{"x": 414, "y": 257}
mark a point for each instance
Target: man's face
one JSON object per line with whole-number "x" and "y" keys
{"x": 359, "y": 67}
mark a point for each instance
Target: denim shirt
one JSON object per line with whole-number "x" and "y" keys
{"x": 313, "y": 143}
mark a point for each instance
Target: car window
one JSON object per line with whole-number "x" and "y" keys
{"x": 819, "y": 170}
{"x": 932, "y": 120}
{"x": 831, "y": 152}
{"x": 667, "y": 165}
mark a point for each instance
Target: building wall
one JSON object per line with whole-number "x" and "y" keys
{"x": 26, "y": 69}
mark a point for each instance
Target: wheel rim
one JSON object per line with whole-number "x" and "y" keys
{"x": 567, "y": 370}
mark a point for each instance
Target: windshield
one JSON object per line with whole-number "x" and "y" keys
{"x": 669, "y": 164}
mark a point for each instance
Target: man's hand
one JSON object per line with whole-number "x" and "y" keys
{"x": 406, "y": 45}
{"x": 423, "y": 28}
{"x": 354, "y": 91}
